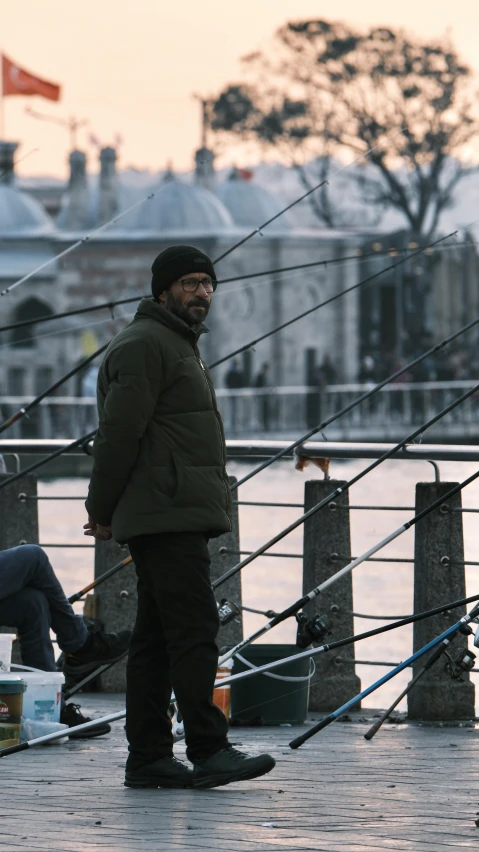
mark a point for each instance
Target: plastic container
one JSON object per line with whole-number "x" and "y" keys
{"x": 42, "y": 699}
{"x": 6, "y": 640}
{"x": 31, "y": 730}
{"x": 222, "y": 694}
{"x": 260, "y": 699}
{"x": 12, "y": 688}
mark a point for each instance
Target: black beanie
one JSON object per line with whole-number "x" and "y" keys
{"x": 176, "y": 261}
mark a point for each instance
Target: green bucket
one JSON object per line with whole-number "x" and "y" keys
{"x": 261, "y": 699}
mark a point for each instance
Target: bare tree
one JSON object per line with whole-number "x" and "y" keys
{"x": 325, "y": 88}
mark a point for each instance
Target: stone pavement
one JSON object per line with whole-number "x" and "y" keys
{"x": 413, "y": 788}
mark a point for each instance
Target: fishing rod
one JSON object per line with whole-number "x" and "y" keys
{"x": 466, "y": 630}
{"x": 110, "y": 305}
{"x": 80, "y": 442}
{"x": 23, "y": 412}
{"x": 340, "y": 490}
{"x": 366, "y": 395}
{"x": 318, "y": 627}
{"x": 320, "y": 427}
{"x": 98, "y": 671}
{"x": 339, "y": 295}
{"x": 446, "y": 635}
{"x": 86, "y": 239}
{"x": 103, "y": 306}
{"x": 334, "y": 261}
{"x": 350, "y": 640}
{"x": 309, "y": 192}
{"x": 257, "y": 670}
{"x": 101, "y": 579}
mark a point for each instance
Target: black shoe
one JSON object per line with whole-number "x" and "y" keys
{"x": 229, "y": 765}
{"x": 165, "y": 772}
{"x": 99, "y": 648}
{"x": 71, "y": 715}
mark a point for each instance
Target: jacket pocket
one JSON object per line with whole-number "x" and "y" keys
{"x": 165, "y": 479}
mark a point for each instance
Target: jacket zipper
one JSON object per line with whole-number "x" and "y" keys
{"x": 226, "y": 485}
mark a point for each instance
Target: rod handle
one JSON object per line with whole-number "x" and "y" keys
{"x": 296, "y": 743}
{"x": 13, "y": 749}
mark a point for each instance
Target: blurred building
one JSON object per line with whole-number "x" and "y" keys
{"x": 418, "y": 302}
{"x": 116, "y": 263}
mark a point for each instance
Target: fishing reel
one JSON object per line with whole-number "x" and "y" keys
{"x": 464, "y": 662}
{"x": 312, "y": 629}
{"x": 227, "y": 611}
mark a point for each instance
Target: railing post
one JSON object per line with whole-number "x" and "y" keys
{"x": 439, "y": 577}
{"x": 18, "y": 523}
{"x": 327, "y": 548}
{"x": 18, "y": 513}
{"x": 232, "y": 633}
{"x": 114, "y": 604}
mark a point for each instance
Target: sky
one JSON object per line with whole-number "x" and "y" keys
{"x": 131, "y": 67}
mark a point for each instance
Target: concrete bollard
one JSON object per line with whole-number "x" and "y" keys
{"x": 114, "y": 603}
{"x": 18, "y": 523}
{"x": 18, "y": 512}
{"x": 439, "y": 577}
{"x": 232, "y": 633}
{"x": 327, "y": 546}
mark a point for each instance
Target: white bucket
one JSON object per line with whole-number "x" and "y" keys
{"x": 42, "y": 698}
{"x": 6, "y": 640}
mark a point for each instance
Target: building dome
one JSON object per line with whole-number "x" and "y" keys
{"x": 249, "y": 203}
{"x": 21, "y": 215}
{"x": 179, "y": 206}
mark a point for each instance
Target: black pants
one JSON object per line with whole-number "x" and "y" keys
{"x": 173, "y": 647}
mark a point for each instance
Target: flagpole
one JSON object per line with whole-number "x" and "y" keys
{"x": 2, "y": 103}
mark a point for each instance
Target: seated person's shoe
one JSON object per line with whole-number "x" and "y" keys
{"x": 165, "y": 772}
{"x": 71, "y": 715}
{"x": 229, "y": 765}
{"x": 99, "y": 648}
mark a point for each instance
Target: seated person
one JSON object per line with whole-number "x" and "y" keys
{"x": 33, "y": 602}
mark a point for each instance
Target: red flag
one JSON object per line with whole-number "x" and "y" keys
{"x": 18, "y": 81}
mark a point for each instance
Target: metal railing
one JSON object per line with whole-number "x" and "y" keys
{"x": 287, "y": 500}
{"x": 291, "y": 409}
{"x": 287, "y": 410}
{"x": 258, "y": 449}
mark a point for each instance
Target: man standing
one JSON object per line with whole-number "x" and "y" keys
{"x": 159, "y": 483}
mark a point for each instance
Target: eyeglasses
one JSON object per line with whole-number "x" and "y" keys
{"x": 190, "y": 285}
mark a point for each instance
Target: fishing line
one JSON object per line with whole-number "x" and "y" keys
{"x": 87, "y": 238}
{"x": 19, "y": 160}
{"x": 152, "y": 194}
{"x": 67, "y": 330}
{"x": 333, "y": 262}
{"x": 268, "y": 462}
{"x": 331, "y": 299}
{"x": 335, "y": 174}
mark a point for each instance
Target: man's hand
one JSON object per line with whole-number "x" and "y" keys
{"x": 96, "y": 530}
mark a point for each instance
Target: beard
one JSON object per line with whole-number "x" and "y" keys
{"x": 186, "y": 310}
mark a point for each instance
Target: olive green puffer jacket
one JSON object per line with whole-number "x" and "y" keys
{"x": 159, "y": 453}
